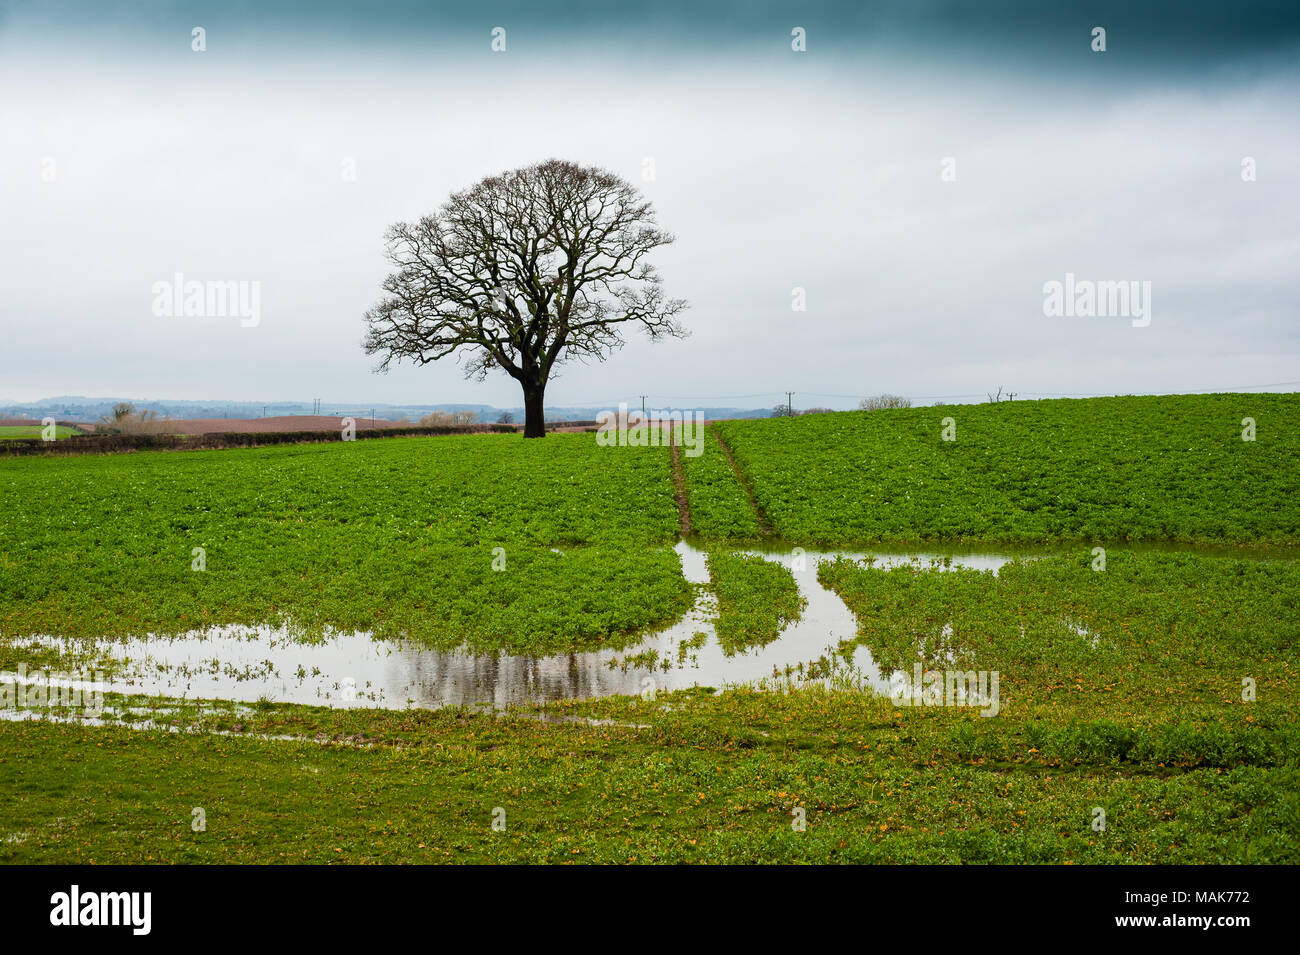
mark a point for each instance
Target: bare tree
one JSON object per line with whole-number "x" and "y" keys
{"x": 121, "y": 412}
{"x": 881, "y": 402}
{"x": 522, "y": 272}
{"x": 125, "y": 419}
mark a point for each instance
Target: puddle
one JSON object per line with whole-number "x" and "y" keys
{"x": 353, "y": 669}
{"x": 139, "y": 718}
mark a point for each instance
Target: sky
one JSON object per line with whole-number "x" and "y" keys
{"x": 921, "y": 171}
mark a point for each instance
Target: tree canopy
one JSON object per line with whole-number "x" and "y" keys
{"x": 523, "y": 272}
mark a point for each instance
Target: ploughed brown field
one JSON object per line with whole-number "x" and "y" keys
{"x": 323, "y": 423}
{"x": 304, "y": 422}
{"x": 301, "y": 422}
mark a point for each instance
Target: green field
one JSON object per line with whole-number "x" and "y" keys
{"x": 30, "y": 431}
{"x": 398, "y": 535}
{"x": 1098, "y": 469}
{"x": 1123, "y": 687}
{"x": 1153, "y": 636}
{"x": 719, "y": 506}
{"x": 687, "y": 778}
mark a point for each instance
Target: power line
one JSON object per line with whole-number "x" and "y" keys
{"x": 858, "y": 395}
{"x": 761, "y": 394}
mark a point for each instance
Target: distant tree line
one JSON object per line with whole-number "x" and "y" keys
{"x": 882, "y": 402}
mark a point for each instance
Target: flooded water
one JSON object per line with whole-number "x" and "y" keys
{"x": 247, "y": 664}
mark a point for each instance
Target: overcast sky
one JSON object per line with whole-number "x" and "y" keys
{"x": 126, "y": 157}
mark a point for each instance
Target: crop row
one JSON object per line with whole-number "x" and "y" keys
{"x": 720, "y": 507}
{"x": 1181, "y": 468}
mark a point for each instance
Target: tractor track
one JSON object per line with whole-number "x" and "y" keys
{"x": 679, "y": 485}
{"x": 764, "y": 524}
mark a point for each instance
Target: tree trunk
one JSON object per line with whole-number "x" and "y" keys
{"x": 534, "y": 412}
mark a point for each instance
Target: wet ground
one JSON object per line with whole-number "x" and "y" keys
{"x": 354, "y": 669}
{"x": 247, "y": 664}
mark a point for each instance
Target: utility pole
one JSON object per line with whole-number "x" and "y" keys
{"x": 789, "y": 403}
{"x": 643, "y": 398}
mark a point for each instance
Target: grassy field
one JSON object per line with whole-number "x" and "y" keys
{"x": 1123, "y": 687}
{"x": 686, "y": 778}
{"x": 29, "y": 431}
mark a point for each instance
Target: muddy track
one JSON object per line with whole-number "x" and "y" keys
{"x": 679, "y": 485}
{"x": 760, "y": 515}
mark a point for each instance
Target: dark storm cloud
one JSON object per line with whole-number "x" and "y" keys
{"x": 1004, "y": 34}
